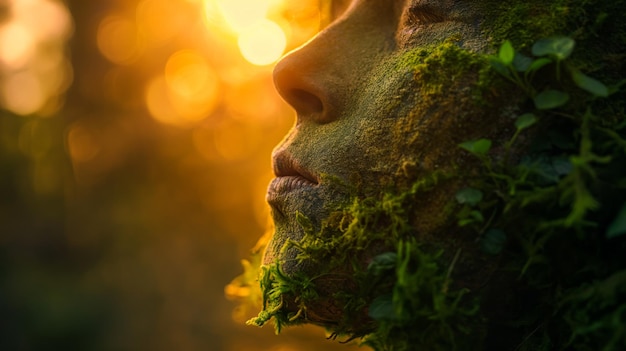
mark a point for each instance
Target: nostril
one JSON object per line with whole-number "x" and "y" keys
{"x": 305, "y": 103}
{"x": 304, "y": 82}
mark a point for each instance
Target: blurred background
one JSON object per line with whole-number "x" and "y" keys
{"x": 135, "y": 140}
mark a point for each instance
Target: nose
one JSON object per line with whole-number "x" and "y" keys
{"x": 301, "y": 80}
{"x": 316, "y": 79}
{"x": 309, "y": 81}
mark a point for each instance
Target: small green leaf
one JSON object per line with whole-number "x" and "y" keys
{"x": 382, "y": 308}
{"x": 618, "y": 226}
{"x": 477, "y": 215}
{"x": 498, "y": 66}
{"x": 550, "y": 99}
{"x": 558, "y": 47}
{"x": 538, "y": 63}
{"x": 521, "y": 62}
{"x": 562, "y": 166}
{"x": 506, "y": 53}
{"x": 589, "y": 84}
{"x": 465, "y": 221}
{"x": 524, "y": 121}
{"x": 493, "y": 241}
{"x": 383, "y": 261}
{"x": 477, "y": 147}
{"x": 469, "y": 196}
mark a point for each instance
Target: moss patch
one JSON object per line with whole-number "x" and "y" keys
{"x": 398, "y": 285}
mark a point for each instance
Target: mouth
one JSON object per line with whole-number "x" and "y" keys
{"x": 290, "y": 177}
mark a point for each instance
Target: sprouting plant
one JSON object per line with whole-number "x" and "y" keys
{"x": 521, "y": 70}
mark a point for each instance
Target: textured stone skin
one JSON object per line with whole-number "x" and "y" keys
{"x": 371, "y": 117}
{"x": 363, "y": 116}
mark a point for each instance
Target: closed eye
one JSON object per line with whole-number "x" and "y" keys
{"x": 422, "y": 15}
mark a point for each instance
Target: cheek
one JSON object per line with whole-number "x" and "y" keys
{"x": 385, "y": 148}
{"x": 386, "y": 124}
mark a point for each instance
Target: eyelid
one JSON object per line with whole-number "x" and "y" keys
{"x": 424, "y": 14}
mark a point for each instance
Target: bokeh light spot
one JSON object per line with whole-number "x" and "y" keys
{"x": 188, "y": 92}
{"x": 23, "y": 93}
{"x": 118, "y": 40}
{"x": 263, "y": 43}
{"x": 189, "y": 75}
{"x": 17, "y": 45}
{"x": 158, "y": 102}
{"x": 81, "y": 143}
{"x": 48, "y": 19}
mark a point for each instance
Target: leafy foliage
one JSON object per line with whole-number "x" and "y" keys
{"x": 561, "y": 212}
{"x": 420, "y": 313}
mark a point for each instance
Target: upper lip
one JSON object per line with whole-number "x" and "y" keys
{"x": 286, "y": 165}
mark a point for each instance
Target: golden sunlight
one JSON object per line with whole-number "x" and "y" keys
{"x": 17, "y": 44}
{"x": 23, "y": 93}
{"x": 262, "y": 43}
{"x": 187, "y": 93}
{"x": 240, "y": 14}
{"x": 261, "y": 40}
{"x": 34, "y": 70}
{"x": 48, "y": 19}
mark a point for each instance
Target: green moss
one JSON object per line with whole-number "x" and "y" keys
{"x": 522, "y": 22}
{"x": 347, "y": 237}
{"x": 434, "y": 68}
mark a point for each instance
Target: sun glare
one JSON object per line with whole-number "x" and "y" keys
{"x": 23, "y": 93}
{"x": 261, "y": 40}
{"x": 262, "y": 43}
{"x": 241, "y": 14}
{"x": 33, "y": 66}
{"x": 17, "y": 44}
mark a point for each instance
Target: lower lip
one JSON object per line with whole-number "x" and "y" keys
{"x": 282, "y": 186}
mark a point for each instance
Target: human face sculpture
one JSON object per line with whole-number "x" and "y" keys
{"x": 360, "y": 120}
{"x": 369, "y": 117}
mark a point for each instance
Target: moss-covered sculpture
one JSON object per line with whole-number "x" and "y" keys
{"x": 495, "y": 218}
